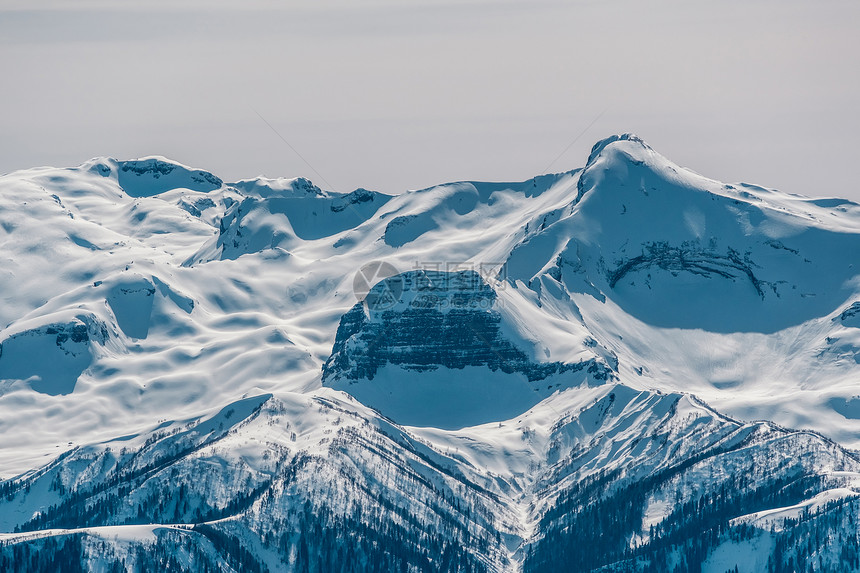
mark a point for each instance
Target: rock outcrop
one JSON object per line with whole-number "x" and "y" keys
{"x": 422, "y": 320}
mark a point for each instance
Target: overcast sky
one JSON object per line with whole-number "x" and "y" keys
{"x": 395, "y": 95}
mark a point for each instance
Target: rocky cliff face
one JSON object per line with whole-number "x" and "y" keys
{"x": 422, "y": 320}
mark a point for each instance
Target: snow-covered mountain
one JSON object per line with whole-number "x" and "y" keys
{"x": 592, "y": 370}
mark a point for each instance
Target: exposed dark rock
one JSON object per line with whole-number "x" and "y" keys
{"x": 153, "y": 167}
{"x": 691, "y": 258}
{"x": 850, "y": 312}
{"x": 850, "y": 316}
{"x": 197, "y": 206}
{"x": 441, "y": 319}
{"x": 354, "y": 198}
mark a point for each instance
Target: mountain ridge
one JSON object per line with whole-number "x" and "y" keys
{"x": 218, "y": 315}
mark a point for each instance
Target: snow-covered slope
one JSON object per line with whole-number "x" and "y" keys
{"x": 177, "y": 350}
{"x": 588, "y": 478}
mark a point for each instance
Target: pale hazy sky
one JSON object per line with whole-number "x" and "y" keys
{"x": 395, "y": 95}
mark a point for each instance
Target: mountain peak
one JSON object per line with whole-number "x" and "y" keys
{"x": 613, "y": 152}
{"x": 598, "y": 147}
